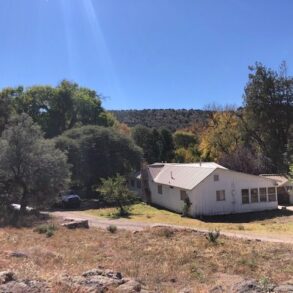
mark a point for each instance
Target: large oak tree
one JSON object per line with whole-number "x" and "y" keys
{"x": 32, "y": 170}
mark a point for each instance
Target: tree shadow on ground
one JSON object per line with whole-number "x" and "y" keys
{"x": 12, "y": 218}
{"x": 248, "y": 217}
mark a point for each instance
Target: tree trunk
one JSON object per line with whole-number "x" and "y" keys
{"x": 23, "y": 201}
{"x": 22, "y": 210}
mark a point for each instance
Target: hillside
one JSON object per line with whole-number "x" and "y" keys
{"x": 167, "y": 118}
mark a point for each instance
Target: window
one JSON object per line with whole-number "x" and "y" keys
{"x": 138, "y": 183}
{"x": 272, "y": 193}
{"x": 254, "y": 194}
{"x": 216, "y": 177}
{"x": 160, "y": 189}
{"x": 220, "y": 195}
{"x": 183, "y": 195}
{"x": 263, "y": 194}
{"x": 245, "y": 196}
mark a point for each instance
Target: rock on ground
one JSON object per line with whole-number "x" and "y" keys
{"x": 94, "y": 281}
{"x": 76, "y": 224}
{"x": 6, "y": 276}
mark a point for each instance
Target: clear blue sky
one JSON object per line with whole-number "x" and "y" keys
{"x": 144, "y": 53}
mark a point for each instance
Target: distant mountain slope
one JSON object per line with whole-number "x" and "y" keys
{"x": 167, "y": 118}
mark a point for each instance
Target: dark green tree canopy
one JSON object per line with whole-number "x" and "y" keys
{"x": 157, "y": 145}
{"x": 56, "y": 109}
{"x": 268, "y": 110}
{"x": 32, "y": 170}
{"x": 184, "y": 139}
{"x": 97, "y": 152}
{"x": 7, "y": 109}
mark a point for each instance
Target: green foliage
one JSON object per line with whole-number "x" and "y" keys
{"x": 266, "y": 284}
{"x": 55, "y": 109}
{"x": 47, "y": 229}
{"x": 157, "y": 145}
{"x": 97, "y": 152}
{"x": 6, "y": 104}
{"x": 186, "y": 147}
{"x": 184, "y": 139}
{"x": 186, "y": 207}
{"x": 7, "y": 215}
{"x": 32, "y": 170}
{"x": 213, "y": 236}
{"x": 187, "y": 155}
{"x": 167, "y": 145}
{"x": 268, "y": 113}
{"x": 291, "y": 171}
{"x": 115, "y": 191}
{"x": 112, "y": 229}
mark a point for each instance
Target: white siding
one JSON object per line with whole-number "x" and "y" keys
{"x": 170, "y": 197}
{"x": 232, "y": 182}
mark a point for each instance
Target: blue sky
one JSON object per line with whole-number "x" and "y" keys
{"x": 144, "y": 53}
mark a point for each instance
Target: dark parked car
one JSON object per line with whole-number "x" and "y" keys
{"x": 71, "y": 201}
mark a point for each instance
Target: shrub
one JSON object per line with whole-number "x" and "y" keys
{"x": 166, "y": 232}
{"x": 49, "y": 233}
{"x": 250, "y": 262}
{"x": 115, "y": 191}
{"x": 213, "y": 236}
{"x": 112, "y": 228}
{"x": 47, "y": 229}
{"x": 265, "y": 284}
{"x": 186, "y": 207}
{"x": 197, "y": 273}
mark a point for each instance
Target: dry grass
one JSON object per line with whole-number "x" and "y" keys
{"x": 270, "y": 222}
{"x": 164, "y": 261}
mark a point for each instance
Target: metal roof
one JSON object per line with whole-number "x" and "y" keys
{"x": 155, "y": 169}
{"x": 280, "y": 179}
{"x": 203, "y": 165}
{"x": 185, "y": 176}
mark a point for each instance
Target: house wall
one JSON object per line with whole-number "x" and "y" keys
{"x": 170, "y": 197}
{"x": 203, "y": 197}
{"x": 232, "y": 182}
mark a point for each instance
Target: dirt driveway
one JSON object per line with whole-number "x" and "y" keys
{"x": 103, "y": 223}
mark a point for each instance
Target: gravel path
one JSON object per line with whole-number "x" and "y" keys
{"x": 103, "y": 223}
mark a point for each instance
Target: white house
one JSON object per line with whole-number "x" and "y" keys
{"x": 210, "y": 188}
